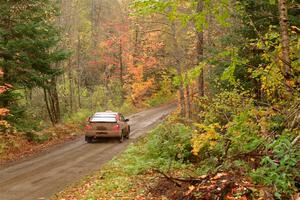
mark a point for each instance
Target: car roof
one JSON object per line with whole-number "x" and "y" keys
{"x": 105, "y": 113}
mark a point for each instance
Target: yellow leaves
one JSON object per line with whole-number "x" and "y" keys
{"x": 4, "y": 124}
{"x": 291, "y": 83}
{"x": 207, "y": 128}
{"x": 140, "y": 88}
{"x": 209, "y": 138}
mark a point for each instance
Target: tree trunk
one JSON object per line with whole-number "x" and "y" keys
{"x": 121, "y": 70}
{"x": 78, "y": 70}
{"x": 188, "y": 102}
{"x": 283, "y": 19}
{"x": 199, "y": 49}
{"x": 95, "y": 18}
{"x": 181, "y": 91}
{"x": 179, "y": 71}
{"x": 121, "y": 62}
{"x": 52, "y": 102}
{"x": 71, "y": 89}
{"x": 136, "y": 44}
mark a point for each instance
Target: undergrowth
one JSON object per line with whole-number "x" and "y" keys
{"x": 234, "y": 133}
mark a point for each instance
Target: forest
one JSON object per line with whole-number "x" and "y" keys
{"x": 232, "y": 66}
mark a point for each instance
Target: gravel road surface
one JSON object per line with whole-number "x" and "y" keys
{"x": 43, "y": 175}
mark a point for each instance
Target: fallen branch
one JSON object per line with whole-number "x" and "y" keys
{"x": 188, "y": 180}
{"x": 295, "y": 140}
{"x": 167, "y": 177}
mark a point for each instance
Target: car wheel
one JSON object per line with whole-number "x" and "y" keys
{"x": 128, "y": 133}
{"x": 121, "y": 137}
{"x": 88, "y": 139}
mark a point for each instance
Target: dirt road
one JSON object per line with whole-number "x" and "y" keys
{"x": 44, "y": 175}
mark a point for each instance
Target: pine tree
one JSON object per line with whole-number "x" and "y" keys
{"x": 28, "y": 54}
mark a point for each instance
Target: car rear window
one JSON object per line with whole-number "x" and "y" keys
{"x": 104, "y": 118}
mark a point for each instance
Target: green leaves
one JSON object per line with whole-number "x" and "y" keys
{"x": 190, "y": 75}
{"x": 184, "y": 11}
{"x": 235, "y": 61}
{"x": 28, "y": 42}
{"x": 280, "y": 168}
{"x": 146, "y": 7}
{"x": 273, "y": 2}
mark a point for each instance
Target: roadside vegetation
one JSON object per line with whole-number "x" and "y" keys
{"x": 170, "y": 163}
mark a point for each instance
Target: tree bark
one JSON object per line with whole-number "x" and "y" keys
{"x": 121, "y": 62}
{"x": 121, "y": 70}
{"x": 178, "y": 70}
{"x": 71, "y": 89}
{"x": 52, "y": 101}
{"x": 199, "y": 49}
{"x": 188, "y": 102}
{"x": 283, "y": 20}
{"x": 78, "y": 70}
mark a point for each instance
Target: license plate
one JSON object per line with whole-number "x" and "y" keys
{"x": 101, "y": 133}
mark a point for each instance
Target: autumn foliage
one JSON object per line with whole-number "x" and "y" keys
{"x": 128, "y": 60}
{"x": 3, "y": 111}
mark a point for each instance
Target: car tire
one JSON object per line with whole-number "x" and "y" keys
{"x": 121, "y": 139}
{"x": 127, "y": 136}
{"x": 128, "y": 133}
{"x": 88, "y": 139}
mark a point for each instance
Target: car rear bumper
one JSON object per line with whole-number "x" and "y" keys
{"x": 99, "y": 134}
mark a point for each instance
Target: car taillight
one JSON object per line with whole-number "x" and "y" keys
{"x": 116, "y": 127}
{"x": 88, "y": 127}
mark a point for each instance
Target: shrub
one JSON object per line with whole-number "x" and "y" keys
{"x": 79, "y": 117}
{"x": 170, "y": 141}
{"x": 166, "y": 146}
{"x": 39, "y": 138}
{"x": 234, "y": 134}
{"x": 279, "y": 166}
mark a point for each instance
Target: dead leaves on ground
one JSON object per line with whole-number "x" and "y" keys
{"x": 222, "y": 185}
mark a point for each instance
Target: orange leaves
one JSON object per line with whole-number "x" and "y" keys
{"x": 139, "y": 89}
{"x": 221, "y": 185}
{"x": 4, "y": 111}
{"x": 5, "y": 87}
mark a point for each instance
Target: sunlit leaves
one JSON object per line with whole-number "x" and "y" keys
{"x": 271, "y": 73}
{"x": 234, "y": 61}
{"x": 206, "y": 137}
{"x": 190, "y": 76}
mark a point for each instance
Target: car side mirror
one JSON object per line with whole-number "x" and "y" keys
{"x": 126, "y": 120}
